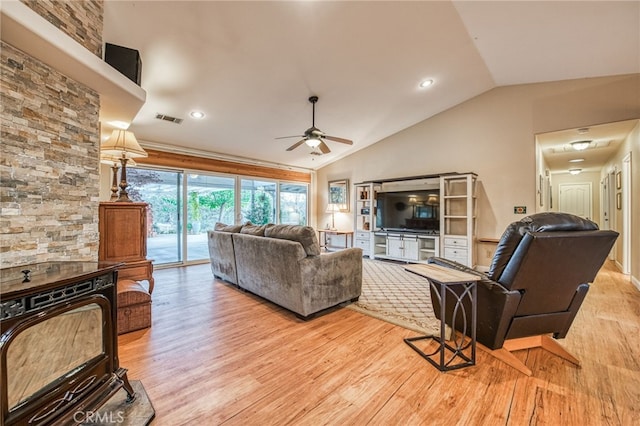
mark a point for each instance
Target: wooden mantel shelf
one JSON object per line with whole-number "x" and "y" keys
{"x": 21, "y": 27}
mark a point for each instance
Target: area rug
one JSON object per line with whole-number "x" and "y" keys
{"x": 392, "y": 294}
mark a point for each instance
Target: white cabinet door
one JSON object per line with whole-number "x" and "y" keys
{"x": 410, "y": 248}
{"x": 394, "y": 246}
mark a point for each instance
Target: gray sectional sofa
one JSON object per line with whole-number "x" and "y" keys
{"x": 284, "y": 264}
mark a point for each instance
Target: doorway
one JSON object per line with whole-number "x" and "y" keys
{"x": 576, "y": 198}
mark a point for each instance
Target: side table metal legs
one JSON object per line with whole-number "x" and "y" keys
{"x": 461, "y": 351}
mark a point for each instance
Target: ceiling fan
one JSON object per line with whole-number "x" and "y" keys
{"x": 315, "y": 137}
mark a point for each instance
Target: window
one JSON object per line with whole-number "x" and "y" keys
{"x": 258, "y": 201}
{"x": 293, "y": 204}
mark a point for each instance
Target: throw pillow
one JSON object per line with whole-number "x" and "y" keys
{"x": 304, "y": 235}
{"x": 257, "y": 230}
{"x": 219, "y": 226}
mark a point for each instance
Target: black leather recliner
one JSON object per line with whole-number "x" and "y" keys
{"x": 538, "y": 278}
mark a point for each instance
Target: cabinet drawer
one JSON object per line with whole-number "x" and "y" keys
{"x": 362, "y": 235}
{"x": 455, "y": 242}
{"x": 455, "y": 253}
{"x": 363, "y": 244}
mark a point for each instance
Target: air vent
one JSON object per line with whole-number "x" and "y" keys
{"x": 169, "y": 118}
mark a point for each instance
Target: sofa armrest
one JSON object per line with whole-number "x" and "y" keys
{"x": 338, "y": 273}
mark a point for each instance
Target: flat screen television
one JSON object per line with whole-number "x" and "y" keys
{"x": 408, "y": 211}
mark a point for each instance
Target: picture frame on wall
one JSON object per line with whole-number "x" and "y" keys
{"x": 619, "y": 200}
{"x": 339, "y": 194}
{"x": 618, "y": 180}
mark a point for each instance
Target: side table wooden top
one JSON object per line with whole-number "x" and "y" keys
{"x": 442, "y": 274}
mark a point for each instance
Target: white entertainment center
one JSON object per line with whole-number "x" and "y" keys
{"x": 412, "y": 219}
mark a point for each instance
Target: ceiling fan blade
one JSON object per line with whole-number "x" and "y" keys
{"x": 324, "y": 148}
{"x": 336, "y": 139}
{"x": 295, "y": 145}
{"x": 287, "y": 137}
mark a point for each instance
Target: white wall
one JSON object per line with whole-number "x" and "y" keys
{"x": 492, "y": 135}
{"x": 630, "y": 145}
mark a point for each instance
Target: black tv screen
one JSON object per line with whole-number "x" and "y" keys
{"x": 408, "y": 210}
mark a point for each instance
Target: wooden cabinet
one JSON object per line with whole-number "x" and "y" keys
{"x": 458, "y": 217}
{"x": 123, "y": 238}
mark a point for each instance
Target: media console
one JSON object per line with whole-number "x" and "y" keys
{"x": 405, "y": 246}
{"x": 414, "y": 218}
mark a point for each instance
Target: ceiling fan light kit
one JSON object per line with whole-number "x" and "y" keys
{"x": 314, "y": 137}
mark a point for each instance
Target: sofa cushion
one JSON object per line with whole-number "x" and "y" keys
{"x": 304, "y": 235}
{"x": 227, "y": 228}
{"x": 257, "y": 230}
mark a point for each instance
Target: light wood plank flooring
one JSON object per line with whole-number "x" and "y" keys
{"x": 215, "y": 355}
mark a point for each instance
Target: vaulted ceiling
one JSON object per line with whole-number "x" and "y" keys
{"x": 251, "y": 66}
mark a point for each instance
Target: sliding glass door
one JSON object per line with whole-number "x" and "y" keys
{"x": 210, "y": 199}
{"x": 293, "y": 204}
{"x": 162, "y": 190}
{"x": 184, "y": 205}
{"x": 258, "y": 201}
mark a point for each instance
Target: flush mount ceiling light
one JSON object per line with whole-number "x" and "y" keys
{"x": 575, "y": 171}
{"x": 426, "y": 83}
{"x": 580, "y": 145}
{"x": 197, "y": 114}
{"x": 577, "y": 160}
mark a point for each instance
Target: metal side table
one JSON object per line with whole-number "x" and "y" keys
{"x": 461, "y": 350}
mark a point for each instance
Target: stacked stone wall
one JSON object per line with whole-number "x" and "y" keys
{"x": 79, "y": 19}
{"x": 49, "y": 155}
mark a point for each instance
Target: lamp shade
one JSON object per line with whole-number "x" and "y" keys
{"x": 122, "y": 143}
{"x": 113, "y": 160}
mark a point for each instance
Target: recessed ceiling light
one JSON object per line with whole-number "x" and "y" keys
{"x": 197, "y": 114}
{"x": 577, "y": 160}
{"x": 426, "y": 83}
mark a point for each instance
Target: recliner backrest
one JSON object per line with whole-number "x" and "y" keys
{"x": 548, "y": 267}
{"x": 540, "y": 222}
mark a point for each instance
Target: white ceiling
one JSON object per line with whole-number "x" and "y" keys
{"x": 605, "y": 139}
{"x": 250, "y": 66}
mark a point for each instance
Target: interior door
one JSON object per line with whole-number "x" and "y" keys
{"x": 575, "y": 198}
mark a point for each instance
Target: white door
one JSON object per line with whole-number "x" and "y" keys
{"x": 575, "y": 198}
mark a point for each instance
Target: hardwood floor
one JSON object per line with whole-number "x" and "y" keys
{"x": 215, "y": 355}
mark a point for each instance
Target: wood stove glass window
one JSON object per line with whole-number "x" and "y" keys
{"x": 49, "y": 350}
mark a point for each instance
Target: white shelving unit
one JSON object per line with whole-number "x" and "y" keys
{"x": 364, "y": 216}
{"x": 458, "y": 217}
{"x": 455, "y": 239}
